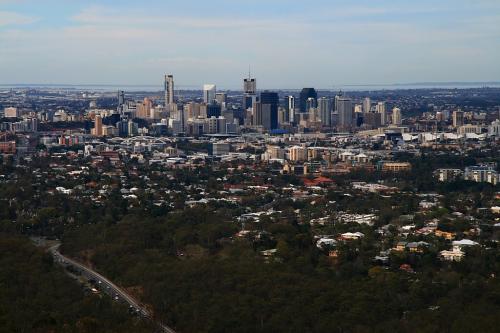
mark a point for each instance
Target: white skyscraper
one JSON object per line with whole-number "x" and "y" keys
{"x": 367, "y": 105}
{"x": 209, "y": 91}
{"x": 290, "y": 108}
{"x": 396, "y": 116}
{"x": 169, "y": 89}
{"x": 325, "y": 112}
{"x": 383, "y": 115}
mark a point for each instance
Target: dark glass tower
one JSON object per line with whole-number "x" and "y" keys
{"x": 305, "y": 94}
{"x": 270, "y": 102}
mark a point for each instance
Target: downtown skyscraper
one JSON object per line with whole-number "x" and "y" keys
{"x": 209, "y": 92}
{"x": 305, "y": 94}
{"x": 249, "y": 92}
{"x": 269, "y": 102}
{"x": 168, "y": 85}
{"x": 382, "y": 111}
{"x": 325, "y": 112}
{"x": 345, "y": 113}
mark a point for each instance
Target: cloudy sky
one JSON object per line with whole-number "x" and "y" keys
{"x": 287, "y": 43}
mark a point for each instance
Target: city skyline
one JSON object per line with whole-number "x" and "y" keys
{"x": 292, "y": 45}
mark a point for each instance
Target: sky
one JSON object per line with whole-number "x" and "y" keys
{"x": 286, "y": 43}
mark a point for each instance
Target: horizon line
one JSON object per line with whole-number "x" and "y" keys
{"x": 429, "y": 85}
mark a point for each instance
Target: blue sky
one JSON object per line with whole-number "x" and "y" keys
{"x": 287, "y": 43}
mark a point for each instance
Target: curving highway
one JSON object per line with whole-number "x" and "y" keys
{"x": 104, "y": 284}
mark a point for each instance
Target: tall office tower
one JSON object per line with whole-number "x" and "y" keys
{"x": 213, "y": 110}
{"x": 270, "y": 102}
{"x": 311, "y": 103}
{"x": 305, "y": 94}
{"x": 221, "y": 98}
{"x": 383, "y": 115}
{"x": 183, "y": 118}
{"x": 312, "y": 115}
{"x": 132, "y": 128}
{"x": 358, "y": 108}
{"x": 290, "y": 108}
{"x": 193, "y": 110}
{"x": 98, "y": 125}
{"x": 209, "y": 91}
{"x": 458, "y": 118}
{"x": 367, "y": 105}
{"x": 283, "y": 116}
{"x": 325, "y": 112}
{"x": 339, "y": 95}
{"x": 168, "y": 85}
{"x": 249, "y": 92}
{"x": 372, "y": 119}
{"x": 250, "y": 86}
{"x": 121, "y": 100}
{"x": 229, "y": 115}
{"x": 345, "y": 114}
{"x": 122, "y": 127}
{"x": 257, "y": 114}
{"x": 396, "y": 116}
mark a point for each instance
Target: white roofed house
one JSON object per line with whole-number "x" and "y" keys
{"x": 464, "y": 243}
{"x": 351, "y": 235}
{"x": 457, "y": 253}
{"x": 451, "y": 255}
{"x": 326, "y": 242}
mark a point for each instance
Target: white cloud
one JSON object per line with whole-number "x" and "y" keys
{"x": 12, "y": 18}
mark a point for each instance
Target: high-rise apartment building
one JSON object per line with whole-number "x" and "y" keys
{"x": 169, "y": 89}
{"x": 396, "y": 116}
{"x": 339, "y": 95}
{"x": 121, "y": 100}
{"x": 290, "y": 108}
{"x": 144, "y": 109}
{"x": 458, "y": 118}
{"x": 367, "y": 105}
{"x": 98, "y": 125}
{"x": 382, "y": 112}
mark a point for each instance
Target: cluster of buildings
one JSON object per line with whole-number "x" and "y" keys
{"x": 262, "y": 112}
{"x": 480, "y": 173}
